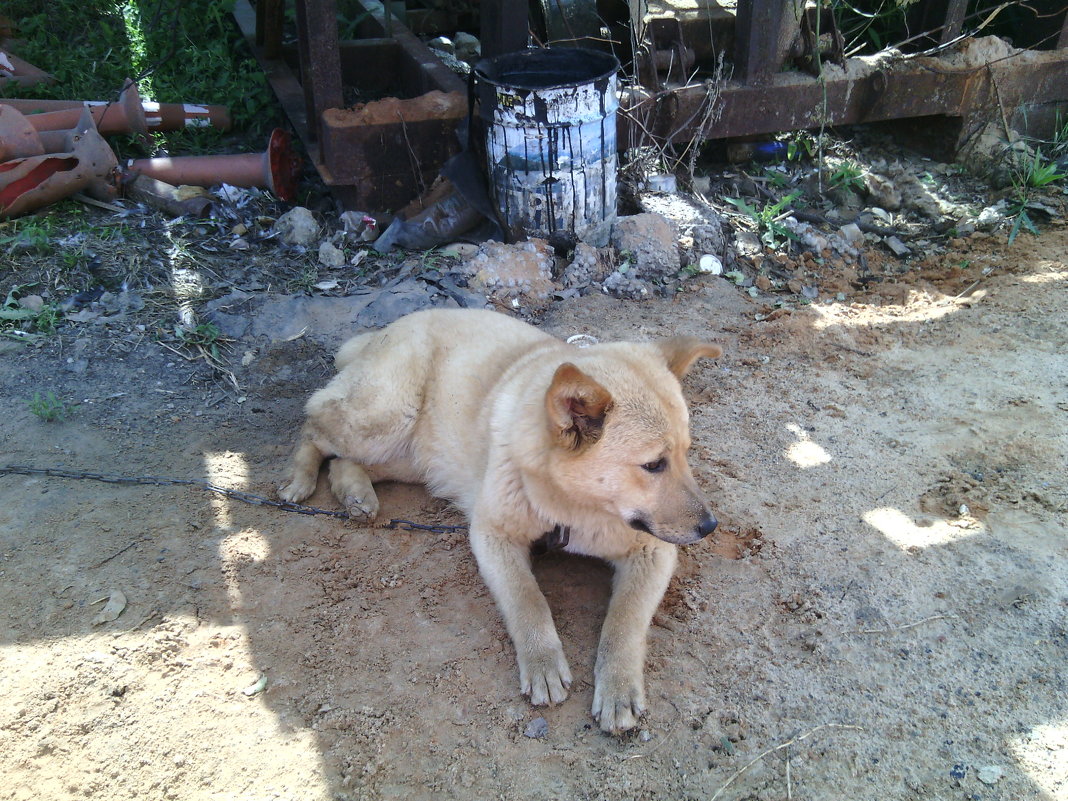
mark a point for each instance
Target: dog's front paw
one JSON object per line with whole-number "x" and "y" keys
{"x": 618, "y": 701}
{"x": 298, "y": 489}
{"x": 544, "y": 676}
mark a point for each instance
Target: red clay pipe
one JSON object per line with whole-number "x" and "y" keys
{"x": 35, "y": 181}
{"x": 277, "y": 168}
{"x": 24, "y": 73}
{"x": 18, "y": 138}
{"x": 157, "y": 116}
{"x": 125, "y": 116}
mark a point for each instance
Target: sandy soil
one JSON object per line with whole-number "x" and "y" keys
{"x": 882, "y": 616}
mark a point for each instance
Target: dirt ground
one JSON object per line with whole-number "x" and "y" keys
{"x": 883, "y": 613}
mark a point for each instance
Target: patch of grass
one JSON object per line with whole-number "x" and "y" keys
{"x": 304, "y": 282}
{"x": 178, "y": 51}
{"x": 32, "y": 234}
{"x": 47, "y": 407}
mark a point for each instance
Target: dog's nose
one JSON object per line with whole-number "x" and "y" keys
{"x": 706, "y": 526}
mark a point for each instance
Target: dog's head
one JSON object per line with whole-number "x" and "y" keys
{"x": 619, "y": 430}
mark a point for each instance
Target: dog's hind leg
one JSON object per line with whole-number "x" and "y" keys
{"x": 352, "y": 487}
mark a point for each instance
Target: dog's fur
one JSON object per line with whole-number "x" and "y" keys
{"x": 526, "y": 434}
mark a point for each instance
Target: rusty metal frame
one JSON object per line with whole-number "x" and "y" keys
{"x": 375, "y": 162}
{"x": 865, "y": 92}
{"x": 762, "y": 99}
{"x": 381, "y": 165}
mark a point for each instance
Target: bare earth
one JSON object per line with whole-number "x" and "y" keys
{"x": 883, "y": 615}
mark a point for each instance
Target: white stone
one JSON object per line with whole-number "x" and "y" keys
{"x": 710, "y": 265}
{"x": 331, "y": 256}
{"x": 297, "y": 226}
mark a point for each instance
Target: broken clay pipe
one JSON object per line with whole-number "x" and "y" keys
{"x": 17, "y": 137}
{"x": 277, "y": 168}
{"x": 88, "y": 163}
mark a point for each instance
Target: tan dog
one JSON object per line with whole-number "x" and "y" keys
{"x": 527, "y": 435}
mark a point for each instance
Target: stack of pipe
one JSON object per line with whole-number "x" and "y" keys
{"x": 50, "y": 149}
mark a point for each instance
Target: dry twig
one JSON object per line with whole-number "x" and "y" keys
{"x": 779, "y": 747}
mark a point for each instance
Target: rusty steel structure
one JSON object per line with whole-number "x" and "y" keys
{"x": 786, "y": 71}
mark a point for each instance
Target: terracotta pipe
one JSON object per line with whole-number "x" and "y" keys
{"x": 277, "y": 168}
{"x": 157, "y": 116}
{"x": 17, "y": 137}
{"x": 24, "y": 73}
{"x": 87, "y": 163}
{"x": 125, "y": 116}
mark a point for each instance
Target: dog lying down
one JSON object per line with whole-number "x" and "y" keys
{"x": 531, "y": 438}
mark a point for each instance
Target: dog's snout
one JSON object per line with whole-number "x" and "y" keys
{"x": 706, "y": 526}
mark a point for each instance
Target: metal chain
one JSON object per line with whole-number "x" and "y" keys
{"x": 238, "y": 495}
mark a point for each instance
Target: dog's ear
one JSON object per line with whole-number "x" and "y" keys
{"x": 681, "y": 352}
{"x": 576, "y": 405}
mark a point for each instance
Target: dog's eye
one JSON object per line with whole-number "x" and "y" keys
{"x": 655, "y": 467}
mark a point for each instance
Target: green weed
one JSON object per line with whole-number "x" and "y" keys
{"x": 30, "y": 234}
{"x": 769, "y": 218}
{"x": 19, "y": 322}
{"x": 204, "y": 337}
{"x": 1037, "y": 173}
{"x": 800, "y": 146}
{"x": 48, "y": 407}
{"x": 847, "y": 175}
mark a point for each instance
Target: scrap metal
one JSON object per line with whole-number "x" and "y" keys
{"x": 765, "y": 95}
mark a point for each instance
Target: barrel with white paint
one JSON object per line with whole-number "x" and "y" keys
{"x": 550, "y": 118}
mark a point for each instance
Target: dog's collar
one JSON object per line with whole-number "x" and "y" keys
{"x": 554, "y": 540}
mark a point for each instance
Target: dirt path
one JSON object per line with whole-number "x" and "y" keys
{"x": 892, "y": 476}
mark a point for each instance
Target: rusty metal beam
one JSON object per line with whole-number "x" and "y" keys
{"x": 320, "y": 67}
{"x": 862, "y": 93}
{"x": 755, "y": 55}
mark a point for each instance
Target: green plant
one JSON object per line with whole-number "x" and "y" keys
{"x": 1037, "y": 173}
{"x": 304, "y": 282}
{"x": 24, "y": 322}
{"x": 1041, "y": 172}
{"x": 847, "y": 175}
{"x": 776, "y": 177}
{"x": 48, "y": 407}
{"x": 34, "y": 234}
{"x": 203, "y": 336}
{"x": 769, "y": 218}
{"x": 433, "y": 260}
{"x": 800, "y": 146}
